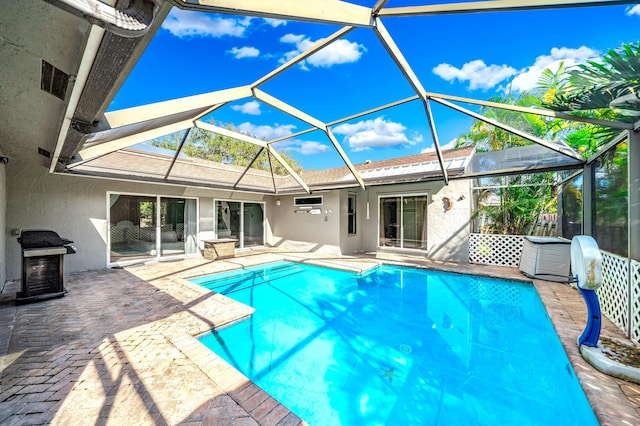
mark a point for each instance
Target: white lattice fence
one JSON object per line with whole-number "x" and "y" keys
{"x": 614, "y": 294}
{"x": 500, "y": 250}
{"x": 635, "y": 301}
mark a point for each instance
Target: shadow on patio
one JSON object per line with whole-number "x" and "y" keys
{"x": 120, "y": 348}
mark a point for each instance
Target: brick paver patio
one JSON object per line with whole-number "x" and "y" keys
{"x": 119, "y": 348}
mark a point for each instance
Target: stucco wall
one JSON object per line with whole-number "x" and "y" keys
{"x": 4, "y": 232}
{"x": 350, "y": 244}
{"x": 447, "y": 231}
{"x": 76, "y": 208}
{"x": 304, "y": 231}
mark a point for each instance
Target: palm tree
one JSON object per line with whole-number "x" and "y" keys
{"x": 608, "y": 88}
{"x": 611, "y": 83}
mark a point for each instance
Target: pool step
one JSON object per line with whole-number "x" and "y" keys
{"x": 229, "y": 282}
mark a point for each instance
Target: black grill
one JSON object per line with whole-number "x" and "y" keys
{"x": 42, "y": 265}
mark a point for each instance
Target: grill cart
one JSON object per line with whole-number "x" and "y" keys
{"x": 42, "y": 265}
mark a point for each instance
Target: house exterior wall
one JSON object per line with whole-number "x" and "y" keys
{"x": 447, "y": 230}
{"x": 76, "y": 208}
{"x": 304, "y": 231}
{"x": 5, "y": 232}
{"x": 350, "y": 244}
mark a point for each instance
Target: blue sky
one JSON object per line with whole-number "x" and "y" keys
{"x": 472, "y": 55}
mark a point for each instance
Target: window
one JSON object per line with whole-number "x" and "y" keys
{"x": 351, "y": 214}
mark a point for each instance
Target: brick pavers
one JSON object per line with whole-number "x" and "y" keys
{"x": 116, "y": 349}
{"x": 119, "y": 348}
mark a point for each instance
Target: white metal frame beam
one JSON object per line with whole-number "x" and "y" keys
{"x": 318, "y": 11}
{"x": 538, "y": 111}
{"x": 288, "y": 109}
{"x": 566, "y": 150}
{"x": 397, "y": 56}
{"x": 304, "y": 55}
{"x": 99, "y": 150}
{"x": 90, "y": 51}
{"x": 139, "y": 114}
{"x": 239, "y": 136}
{"x": 494, "y": 6}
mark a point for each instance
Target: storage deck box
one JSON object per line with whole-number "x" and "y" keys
{"x": 546, "y": 258}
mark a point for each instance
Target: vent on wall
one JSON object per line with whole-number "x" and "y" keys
{"x": 53, "y": 80}
{"x": 307, "y": 201}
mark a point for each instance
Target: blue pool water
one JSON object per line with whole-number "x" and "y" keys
{"x": 398, "y": 346}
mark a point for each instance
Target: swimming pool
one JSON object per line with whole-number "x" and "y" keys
{"x": 398, "y": 346}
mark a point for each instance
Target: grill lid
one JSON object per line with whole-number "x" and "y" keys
{"x": 41, "y": 238}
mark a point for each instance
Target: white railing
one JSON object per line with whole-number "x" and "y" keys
{"x": 619, "y": 294}
{"x": 634, "y": 282}
{"x": 614, "y": 291}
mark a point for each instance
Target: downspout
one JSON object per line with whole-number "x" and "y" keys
{"x": 90, "y": 52}
{"x": 133, "y": 21}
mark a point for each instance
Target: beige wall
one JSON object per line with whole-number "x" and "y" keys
{"x": 303, "y": 231}
{"x": 4, "y": 232}
{"x": 350, "y": 244}
{"x": 448, "y": 231}
{"x": 76, "y": 208}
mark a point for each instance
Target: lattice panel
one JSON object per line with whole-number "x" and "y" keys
{"x": 614, "y": 294}
{"x": 500, "y": 250}
{"x": 634, "y": 333}
{"x": 118, "y": 234}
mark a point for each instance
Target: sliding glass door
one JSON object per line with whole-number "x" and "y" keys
{"x": 143, "y": 227}
{"x": 403, "y": 221}
{"x": 177, "y": 226}
{"x": 241, "y": 221}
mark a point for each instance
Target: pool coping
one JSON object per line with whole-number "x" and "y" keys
{"x": 163, "y": 311}
{"x": 612, "y": 411}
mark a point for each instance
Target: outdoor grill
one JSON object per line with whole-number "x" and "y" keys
{"x": 42, "y": 265}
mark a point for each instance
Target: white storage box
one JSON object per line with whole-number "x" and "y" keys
{"x": 546, "y": 258}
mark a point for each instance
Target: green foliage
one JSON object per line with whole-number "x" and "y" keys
{"x": 521, "y": 203}
{"x": 607, "y": 89}
{"x": 223, "y": 149}
{"x": 611, "y": 83}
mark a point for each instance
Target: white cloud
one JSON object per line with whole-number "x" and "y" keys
{"x": 251, "y": 108}
{"x": 275, "y": 22}
{"x": 377, "y": 133}
{"x": 184, "y": 23}
{"x": 450, "y": 145}
{"x": 477, "y": 73}
{"x": 303, "y": 147}
{"x": 339, "y": 52}
{"x": 266, "y": 132}
{"x": 244, "y": 52}
{"x": 635, "y": 10}
{"x": 528, "y": 78}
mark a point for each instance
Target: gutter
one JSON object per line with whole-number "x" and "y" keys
{"x": 133, "y": 21}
